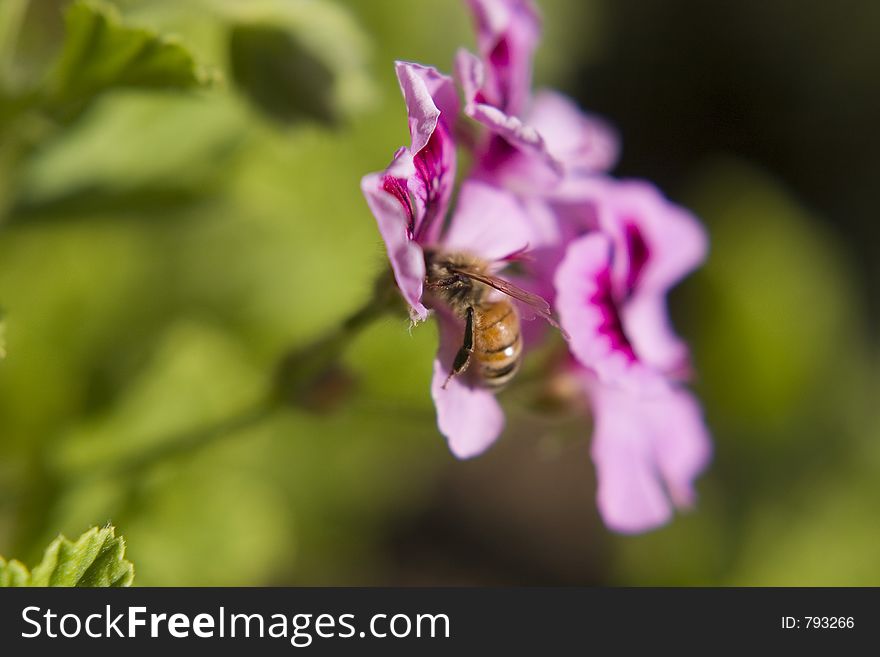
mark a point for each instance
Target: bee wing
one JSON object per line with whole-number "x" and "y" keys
{"x": 537, "y": 303}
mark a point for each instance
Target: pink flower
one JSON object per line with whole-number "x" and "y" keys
{"x": 650, "y": 441}
{"x": 507, "y": 34}
{"x": 611, "y": 285}
{"x": 607, "y": 251}
{"x": 533, "y": 141}
{"x": 410, "y": 200}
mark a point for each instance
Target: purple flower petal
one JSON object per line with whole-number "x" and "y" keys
{"x": 532, "y": 153}
{"x": 517, "y": 133}
{"x": 467, "y": 415}
{"x": 654, "y": 244}
{"x": 429, "y": 95}
{"x": 491, "y": 223}
{"x": 431, "y": 184}
{"x": 647, "y": 453}
{"x": 390, "y": 203}
{"x": 683, "y": 445}
{"x": 583, "y": 143}
{"x": 660, "y": 241}
{"x": 432, "y": 108}
{"x": 410, "y": 198}
{"x": 650, "y": 331}
{"x": 589, "y": 312}
{"x": 471, "y": 75}
{"x": 510, "y": 134}
{"x": 507, "y": 33}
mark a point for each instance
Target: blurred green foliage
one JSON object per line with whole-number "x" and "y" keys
{"x": 162, "y": 249}
{"x": 100, "y": 53}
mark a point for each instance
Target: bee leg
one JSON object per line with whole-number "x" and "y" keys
{"x": 463, "y": 357}
{"x": 443, "y": 282}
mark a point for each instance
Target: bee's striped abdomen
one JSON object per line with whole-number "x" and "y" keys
{"x": 497, "y": 343}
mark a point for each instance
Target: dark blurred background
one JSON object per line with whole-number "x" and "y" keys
{"x": 164, "y": 241}
{"x": 790, "y": 86}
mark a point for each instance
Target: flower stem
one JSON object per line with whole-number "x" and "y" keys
{"x": 189, "y": 441}
{"x": 299, "y": 373}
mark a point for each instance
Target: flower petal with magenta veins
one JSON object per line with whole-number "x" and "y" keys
{"x": 672, "y": 241}
{"x": 516, "y": 132}
{"x": 659, "y": 244}
{"x": 394, "y": 221}
{"x": 655, "y": 244}
{"x": 410, "y": 198}
{"x": 507, "y": 34}
{"x": 432, "y": 107}
{"x": 589, "y": 312}
{"x": 470, "y": 74}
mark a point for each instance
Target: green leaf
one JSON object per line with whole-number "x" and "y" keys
{"x": 280, "y": 76}
{"x": 100, "y": 52}
{"x": 95, "y": 559}
{"x": 299, "y": 60}
{"x": 13, "y": 573}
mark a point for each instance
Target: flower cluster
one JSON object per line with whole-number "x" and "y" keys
{"x": 603, "y": 251}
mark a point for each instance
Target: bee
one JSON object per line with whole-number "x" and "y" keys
{"x": 492, "y": 336}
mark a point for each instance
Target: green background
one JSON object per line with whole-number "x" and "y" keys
{"x": 161, "y": 250}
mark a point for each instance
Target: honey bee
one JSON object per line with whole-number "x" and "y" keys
{"x": 492, "y": 335}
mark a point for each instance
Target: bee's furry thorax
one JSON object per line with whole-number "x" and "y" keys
{"x": 445, "y": 284}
